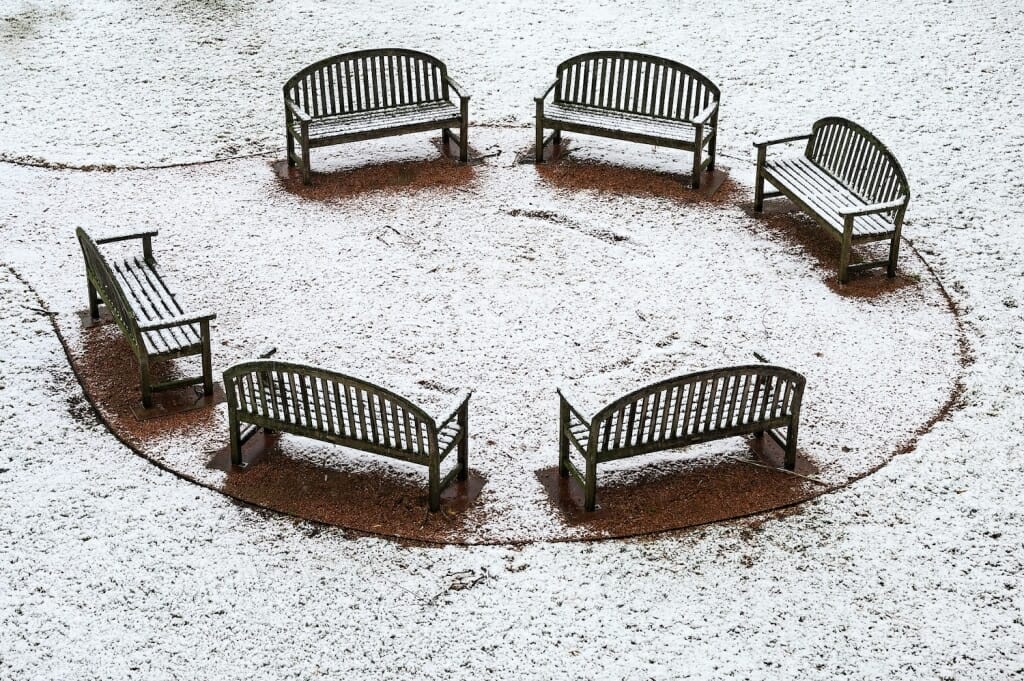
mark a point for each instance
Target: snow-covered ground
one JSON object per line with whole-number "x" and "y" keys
{"x": 114, "y": 569}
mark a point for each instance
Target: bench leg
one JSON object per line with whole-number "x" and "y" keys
{"x": 204, "y": 330}
{"x": 590, "y": 489}
{"x": 712, "y": 149}
{"x": 464, "y": 140}
{"x": 540, "y": 142}
{"x": 144, "y": 380}
{"x": 464, "y": 444}
{"x": 791, "y": 434}
{"x": 556, "y": 137}
{"x": 563, "y": 440}
{"x": 894, "y": 252}
{"x": 446, "y": 135}
{"x": 94, "y": 302}
{"x": 305, "y": 164}
{"x": 290, "y": 147}
{"x": 434, "y": 491}
{"x": 698, "y": 148}
{"x": 844, "y": 255}
{"x": 235, "y": 434}
{"x": 759, "y": 181}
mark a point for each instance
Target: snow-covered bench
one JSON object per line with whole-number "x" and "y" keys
{"x": 698, "y": 407}
{"x": 346, "y": 411}
{"x": 633, "y": 97}
{"x": 847, "y": 181}
{"x": 367, "y": 95}
{"x": 147, "y": 311}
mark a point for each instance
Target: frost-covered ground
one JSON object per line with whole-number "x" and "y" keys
{"x": 113, "y": 569}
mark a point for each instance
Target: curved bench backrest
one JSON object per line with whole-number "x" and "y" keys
{"x": 367, "y": 80}
{"x": 858, "y": 159}
{"x": 327, "y": 402}
{"x": 695, "y": 405}
{"x": 108, "y": 287}
{"x": 634, "y": 83}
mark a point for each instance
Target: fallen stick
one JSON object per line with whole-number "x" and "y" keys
{"x": 779, "y": 470}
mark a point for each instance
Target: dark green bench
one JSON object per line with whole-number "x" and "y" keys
{"x": 846, "y": 180}
{"x": 368, "y": 95}
{"x": 699, "y": 407}
{"x": 633, "y": 97}
{"x": 346, "y": 411}
{"x": 153, "y": 321}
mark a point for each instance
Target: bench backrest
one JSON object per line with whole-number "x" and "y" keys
{"x": 696, "y": 407}
{"x": 858, "y": 159}
{"x": 367, "y": 80}
{"x": 328, "y": 405}
{"x": 634, "y": 83}
{"x": 108, "y": 287}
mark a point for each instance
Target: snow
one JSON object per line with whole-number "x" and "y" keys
{"x": 115, "y": 569}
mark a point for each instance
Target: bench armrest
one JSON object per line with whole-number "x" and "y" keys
{"x": 182, "y": 320}
{"x": 782, "y": 140}
{"x": 459, "y": 90}
{"x": 567, "y": 400}
{"x": 457, "y": 404}
{"x": 873, "y": 208}
{"x": 297, "y": 111}
{"x": 546, "y": 92}
{"x": 707, "y": 113}
{"x": 126, "y": 237}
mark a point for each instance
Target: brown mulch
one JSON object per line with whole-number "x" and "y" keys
{"x": 667, "y": 496}
{"x": 441, "y": 172}
{"x": 392, "y": 501}
{"x": 565, "y": 172}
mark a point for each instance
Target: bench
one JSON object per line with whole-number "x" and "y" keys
{"x": 148, "y": 313}
{"x": 346, "y": 411}
{"x": 367, "y": 95}
{"x": 633, "y": 97}
{"x": 698, "y": 407}
{"x": 847, "y": 181}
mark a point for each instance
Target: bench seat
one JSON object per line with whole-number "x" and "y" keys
{"x": 632, "y": 97}
{"x": 147, "y": 311}
{"x": 634, "y": 127}
{"x": 368, "y": 95}
{"x": 847, "y": 181}
{"x": 826, "y": 196}
{"x": 373, "y": 124}
{"x": 681, "y": 411}
{"x": 332, "y": 407}
{"x": 153, "y": 303}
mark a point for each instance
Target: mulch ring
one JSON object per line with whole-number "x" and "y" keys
{"x": 371, "y": 495}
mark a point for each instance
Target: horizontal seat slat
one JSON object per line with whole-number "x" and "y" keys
{"x": 827, "y": 196}
{"x": 152, "y": 301}
{"x": 557, "y": 113}
{"x": 339, "y": 126}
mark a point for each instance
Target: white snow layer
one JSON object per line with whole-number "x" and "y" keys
{"x": 114, "y": 569}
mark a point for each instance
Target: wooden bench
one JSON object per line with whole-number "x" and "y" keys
{"x": 153, "y": 321}
{"x": 707, "y": 405}
{"x": 847, "y": 181}
{"x": 371, "y": 94}
{"x": 633, "y": 97}
{"x": 346, "y": 411}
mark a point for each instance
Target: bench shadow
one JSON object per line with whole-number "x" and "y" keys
{"x": 673, "y": 495}
{"x": 563, "y": 170}
{"x": 784, "y": 220}
{"x": 385, "y": 500}
{"x": 440, "y": 172}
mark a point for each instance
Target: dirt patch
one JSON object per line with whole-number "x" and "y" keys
{"x": 385, "y": 500}
{"x": 563, "y": 171}
{"x": 785, "y": 221}
{"x": 442, "y": 172}
{"x": 660, "y": 497}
